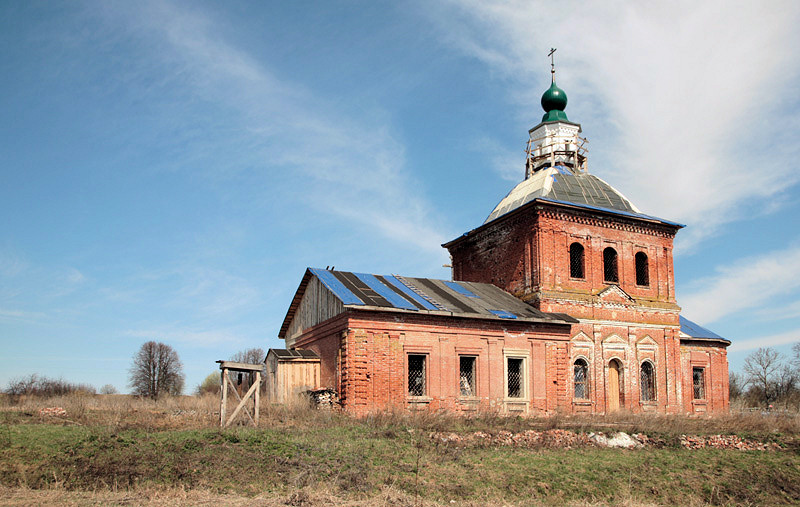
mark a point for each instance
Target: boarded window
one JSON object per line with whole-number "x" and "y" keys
{"x": 514, "y": 379}
{"x": 576, "y": 260}
{"x": 610, "y": 265}
{"x": 699, "y": 383}
{"x": 581, "y": 379}
{"x": 416, "y": 375}
{"x": 642, "y": 269}
{"x": 467, "y": 375}
{"x": 647, "y": 377}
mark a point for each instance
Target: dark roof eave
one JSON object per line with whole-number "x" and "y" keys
{"x": 721, "y": 341}
{"x": 566, "y": 204}
{"x": 561, "y": 320}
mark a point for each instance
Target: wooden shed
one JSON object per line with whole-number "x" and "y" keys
{"x": 289, "y": 373}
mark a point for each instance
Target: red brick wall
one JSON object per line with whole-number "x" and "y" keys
{"x": 714, "y": 362}
{"x": 527, "y": 254}
{"x": 374, "y": 347}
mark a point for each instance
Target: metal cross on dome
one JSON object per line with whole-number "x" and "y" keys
{"x": 552, "y": 62}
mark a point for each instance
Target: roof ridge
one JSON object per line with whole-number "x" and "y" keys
{"x": 418, "y": 292}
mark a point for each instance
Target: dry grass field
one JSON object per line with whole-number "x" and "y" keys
{"x": 120, "y": 450}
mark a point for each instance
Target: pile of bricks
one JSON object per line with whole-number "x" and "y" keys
{"x": 566, "y": 439}
{"x": 725, "y": 442}
{"x": 563, "y": 439}
{"x": 52, "y": 412}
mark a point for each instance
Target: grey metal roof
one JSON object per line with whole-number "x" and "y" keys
{"x": 424, "y": 295}
{"x": 694, "y": 330}
{"x": 559, "y": 183}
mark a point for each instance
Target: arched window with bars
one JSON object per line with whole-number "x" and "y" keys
{"x": 610, "y": 265}
{"x": 576, "y": 263}
{"x": 581, "y": 379}
{"x": 647, "y": 381}
{"x": 642, "y": 269}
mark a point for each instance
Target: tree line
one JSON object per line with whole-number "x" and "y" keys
{"x": 768, "y": 379}
{"x": 156, "y": 371}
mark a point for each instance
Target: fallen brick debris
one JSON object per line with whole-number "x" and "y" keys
{"x": 52, "y": 412}
{"x": 566, "y": 439}
{"x": 563, "y": 439}
{"x": 725, "y": 442}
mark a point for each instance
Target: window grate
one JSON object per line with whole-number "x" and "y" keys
{"x": 514, "y": 377}
{"x": 416, "y": 375}
{"x": 642, "y": 271}
{"x": 576, "y": 260}
{"x": 467, "y": 375}
{"x": 648, "y": 382}
{"x": 699, "y": 382}
{"x": 610, "y": 265}
{"x": 581, "y": 379}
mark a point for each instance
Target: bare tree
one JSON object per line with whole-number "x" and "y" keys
{"x": 251, "y": 356}
{"x": 156, "y": 371}
{"x": 108, "y": 389}
{"x": 761, "y": 370}
{"x": 735, "y": 386}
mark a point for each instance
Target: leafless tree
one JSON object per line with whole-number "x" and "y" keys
{"x": 156, "y": 371}
{"x": 735, "y": 386}
{"x": 761, "y": 369}
{"x": 251, "y": 356}
{"x": 108, "y": 389}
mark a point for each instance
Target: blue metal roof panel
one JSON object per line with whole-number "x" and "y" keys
{"x": 696, "y": 330}
{"x": 460, "y": 289}
{"x": 343, "y": 293}
{"x": 416, "y": 297}
{"x": 503, "y": 314}
{"x": 387, "y": 293}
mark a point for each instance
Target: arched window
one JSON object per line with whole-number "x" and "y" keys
{"x": 642, "y": 271}
{"x": 610, "y": 265}
{"x": 648, "y": 381}
{"x": 576, "y": 260}
{"x": 581, "y": 380}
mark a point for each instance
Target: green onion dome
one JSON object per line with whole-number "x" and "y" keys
{"x": 554, "y": 101}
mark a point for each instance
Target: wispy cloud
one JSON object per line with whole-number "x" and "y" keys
{"x": 21, "y": 315}
{"x": 745, "y": 285}
{"x": 691, "y": 101}
{"x": 347, "y": 165}
{"x": 194, "y": 337}
{"x": 766, "y": 341}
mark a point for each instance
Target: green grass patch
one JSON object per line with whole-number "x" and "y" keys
{"x": 359, "y": 457}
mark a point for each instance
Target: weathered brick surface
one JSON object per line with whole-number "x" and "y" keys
{"x": 527, "y": 253}
{"x": 365, "y": 353}
{"x": 374, "y": 348}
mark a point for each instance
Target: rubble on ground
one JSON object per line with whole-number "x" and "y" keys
{"x": 725, "y": 442}
{"x": 567, "y": 439}
{"x": 52, "y": 412}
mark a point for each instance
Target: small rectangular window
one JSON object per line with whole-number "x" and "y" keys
{"x": 416, "y": 375}
{"x": 467, "y": 375}
{"x": 514, "y": 378}
{"x": 699, "y": 382}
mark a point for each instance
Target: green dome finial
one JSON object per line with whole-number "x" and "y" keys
{"x": 554, "y": 100}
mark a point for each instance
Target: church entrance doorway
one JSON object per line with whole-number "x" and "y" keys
{"x": 614, "y": 386}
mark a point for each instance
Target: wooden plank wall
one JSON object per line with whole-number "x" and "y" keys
{"x": 287, "y": 379}
{"x": 318, "y": 305}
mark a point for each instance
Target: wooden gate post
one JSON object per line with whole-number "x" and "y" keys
{"x": 226, "y": 367}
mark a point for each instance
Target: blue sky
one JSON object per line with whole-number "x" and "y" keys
{"x": 169, "y": 169}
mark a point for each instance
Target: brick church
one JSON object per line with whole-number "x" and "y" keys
{"x": 562, "y": 300}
